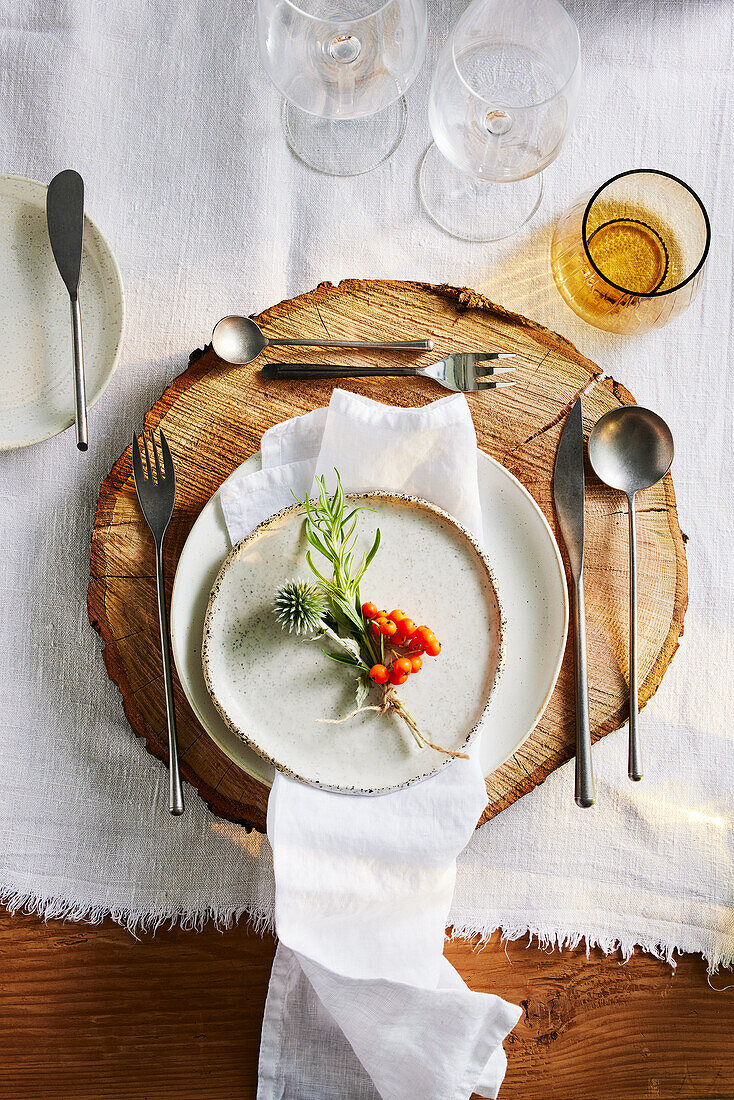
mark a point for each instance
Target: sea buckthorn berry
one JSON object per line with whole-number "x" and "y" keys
{"x": 433, "y": 647}
{"x": 369, "y": 610}
{"x": 379, "y": 674}
{"x": 424, "y": 634}
{"x": 375, "y": 624}
{"x": 403, "y": 666}
{"x": 387, "y": 627}
{"x": 397, "y": 615}
{"x": 416, "y": 664}
{"x": 415, "y": 645}
{"x": 382, "y": 615}
{"x": 397, "y": 678}
{"x": 406, "y": 630}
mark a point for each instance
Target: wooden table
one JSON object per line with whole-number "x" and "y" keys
{"x": 90, "y": 1013}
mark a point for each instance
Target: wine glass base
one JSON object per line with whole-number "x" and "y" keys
{"x": 348, "y": 146}
{"x": 472, "y": 209}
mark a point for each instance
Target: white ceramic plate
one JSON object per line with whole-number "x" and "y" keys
{"x": 274, "y": 689}
{"x": 36, "y": 380}
{"x": 530, "y": 579}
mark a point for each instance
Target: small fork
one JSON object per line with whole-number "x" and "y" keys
{"x": 157, "y": 496}
{"x": 458, "y": 372}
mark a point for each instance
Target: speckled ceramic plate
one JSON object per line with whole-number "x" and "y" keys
{"x": 274, "y": 689}
{"x": 525, "y": 560}
{"x": 36, "y": 379}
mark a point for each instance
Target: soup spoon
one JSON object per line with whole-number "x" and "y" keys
{"x": 240, "y": 340}
{"x": 631, "y": 449}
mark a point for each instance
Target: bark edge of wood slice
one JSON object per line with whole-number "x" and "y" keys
{"x": 201, "y": 412}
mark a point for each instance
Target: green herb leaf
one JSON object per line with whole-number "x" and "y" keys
{"x": 375, "y": 548}
{"x": 347, "y": 643}
{"x": 363, "y": 688}
{"x": 344, "y": 659}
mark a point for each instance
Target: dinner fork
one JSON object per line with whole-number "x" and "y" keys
{"x": 156, "y": 489}
{"x": 463, "y": 371}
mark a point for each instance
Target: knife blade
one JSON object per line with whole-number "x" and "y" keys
{"x": 569, "y": 487}
{"x": 65, "y": 221}
{"x": 568, "y": 496}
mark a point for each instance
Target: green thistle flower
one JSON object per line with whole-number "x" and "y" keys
{"x": 301, "y": 607}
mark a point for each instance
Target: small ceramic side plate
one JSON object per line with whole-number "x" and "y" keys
{"x": 36, "y": 377}
{"x": 274, "y": 689}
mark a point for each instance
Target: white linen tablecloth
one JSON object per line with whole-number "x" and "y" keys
{"x": 164, "y": 109}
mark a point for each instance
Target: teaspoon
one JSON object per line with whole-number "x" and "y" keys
{"x": 240, "y": 340}
{"x": 631, "y": 449}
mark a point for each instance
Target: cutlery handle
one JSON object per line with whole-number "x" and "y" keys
{"x": 80, "y": 394}
{"x": 320, "y": 370}
{"x": 634, "y": 760}
{"x": 175, "y": 791}
{"x": 584, "y": 793}
{"x": 386, "y": 345}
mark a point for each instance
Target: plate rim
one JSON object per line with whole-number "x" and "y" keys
{"x": 205, "y": 516}
{"x": 566, "y": 604}
{"x": 292, "y": 509}
{"x": 117, "y": 353}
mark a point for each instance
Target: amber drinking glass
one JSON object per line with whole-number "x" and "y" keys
{"x": 629, "y": 257}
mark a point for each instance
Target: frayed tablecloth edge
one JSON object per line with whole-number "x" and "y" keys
{"x": 717, "y": 950}
{"x": 55, "y": 907}
{"x": 718, "y": 953}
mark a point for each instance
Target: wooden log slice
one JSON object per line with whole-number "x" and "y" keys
{"x": 214, "y": 416}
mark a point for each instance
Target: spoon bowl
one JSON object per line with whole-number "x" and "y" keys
{"x": 238, "y": 339}
{"x": 631, "y": 449}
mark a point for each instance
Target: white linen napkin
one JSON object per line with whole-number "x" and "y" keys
{"x": 362, "y": 1003}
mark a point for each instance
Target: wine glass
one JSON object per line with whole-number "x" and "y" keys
{"x": 630, "y": 256}
{"x": 502, "y": 98}
{"x": 343, "y": 67}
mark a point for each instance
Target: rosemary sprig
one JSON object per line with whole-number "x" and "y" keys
{"x": 332, "y": 531}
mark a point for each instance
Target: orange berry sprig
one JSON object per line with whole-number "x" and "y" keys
{"x": 402, "y": 632}
{"x": 414, "y": 641}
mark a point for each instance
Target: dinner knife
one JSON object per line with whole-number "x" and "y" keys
{"x": 568, "y": 495}
{"x": 65, "y": 220}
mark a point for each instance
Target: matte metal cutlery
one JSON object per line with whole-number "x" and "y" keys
{"x": 568, "y": 495}
{"x": 463, "y": 371}
{"x": 631, "y": 449}
{"x": 65, "y": 220}
{"x": 239, "y": 340}
{"x": 156, "y": 489}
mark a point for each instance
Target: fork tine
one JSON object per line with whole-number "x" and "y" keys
{"x": 482, "y": 356}
{"x": 167, "y": 460}
{"x": 137, "y": 462}
{"x": 488, "y": 381}
{"x": 158, "y": 475}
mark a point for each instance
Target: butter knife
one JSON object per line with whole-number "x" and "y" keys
{"x": 65, "y": 220}
{"x": 568, "y": 496}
